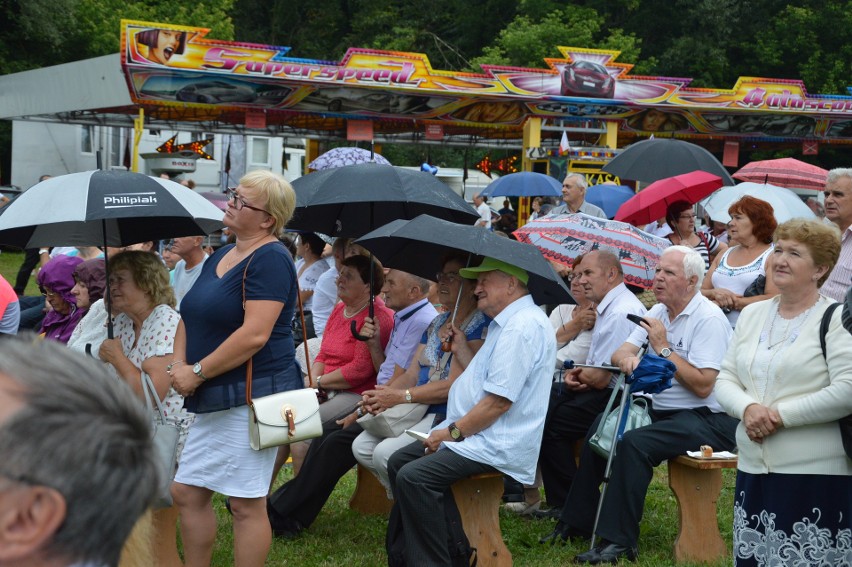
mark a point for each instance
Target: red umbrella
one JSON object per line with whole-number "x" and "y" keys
{"x": 784, "y": 172}
{"x": 651, "y": 203}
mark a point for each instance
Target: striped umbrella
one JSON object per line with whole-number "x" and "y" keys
{"x": 561, "y": 238}
{"x": 784, "y": 172}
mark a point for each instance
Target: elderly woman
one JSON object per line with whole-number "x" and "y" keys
{"x": 731, "y": 274}
{"x": 55, "y": 281}
{"x": 681, "y": 218}
{"x": 792, "y": 501}
{"x": 344, "y": 368}
{"x": 240, "y": 308}
{"x": 432, "y": 371}
{"x": 88, "y": 290}
{"x": 145, "y": 328}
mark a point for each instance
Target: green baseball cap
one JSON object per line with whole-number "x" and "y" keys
{"x": 491, "y": 264}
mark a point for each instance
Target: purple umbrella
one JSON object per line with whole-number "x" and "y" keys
{"x": 338, "y": 157}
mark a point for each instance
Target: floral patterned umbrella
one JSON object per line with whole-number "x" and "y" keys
{"x": 338, "y": 157}
{"x": 561, "y": 238}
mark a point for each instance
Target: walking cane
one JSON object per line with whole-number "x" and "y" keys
{"x": 622, "y": 418}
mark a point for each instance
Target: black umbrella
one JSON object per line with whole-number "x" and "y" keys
{"x": 351, "y": 201}
{"x": 418, "y": 246}
{"x": 105, "y": 208}
{"x": 659, "y": 158}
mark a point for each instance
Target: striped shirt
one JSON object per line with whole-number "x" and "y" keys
{"x": 840, "y": 279}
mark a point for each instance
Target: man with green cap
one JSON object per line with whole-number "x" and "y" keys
{"x": 495, "y": 411}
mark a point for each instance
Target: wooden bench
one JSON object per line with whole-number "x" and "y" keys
{"x": 478, "y": 499}
{"x": 696, "y": 484}
{"x": 370, "y": 497}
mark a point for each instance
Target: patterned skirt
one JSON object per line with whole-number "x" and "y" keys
{"x": 792, "y": 519}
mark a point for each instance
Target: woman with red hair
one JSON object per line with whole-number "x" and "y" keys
{"x": 746, "y": 262}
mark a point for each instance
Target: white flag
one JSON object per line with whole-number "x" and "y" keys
{"x": 564, "y": 146}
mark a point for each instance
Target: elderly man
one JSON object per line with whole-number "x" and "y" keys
{"x": 295, "y": 506}
{"x": 70, "y": 436}
{"x": 188, "y": 268}
{"x": 576, "y": 402}
{"x": 838, "y": 209}
{"x": 574, "y": 194}
{"x": 692, "y": 332}
{"x": 494, "y": 419}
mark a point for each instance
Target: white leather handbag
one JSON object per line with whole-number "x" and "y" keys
{"x": 282, "y": 418}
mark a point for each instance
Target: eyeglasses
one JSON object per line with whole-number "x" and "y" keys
{"x": 46, "y": 293}
{"x": 449, "y": 277}
{"x": 687, "y": 216}
{"x": 239, "y": 202}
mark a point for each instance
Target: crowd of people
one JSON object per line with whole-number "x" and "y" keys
{"x": 741, "y": 323}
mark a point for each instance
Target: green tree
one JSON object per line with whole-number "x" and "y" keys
{"x": 530, "y": 38}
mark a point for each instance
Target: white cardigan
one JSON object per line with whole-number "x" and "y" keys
{"x": 809, "y": 395}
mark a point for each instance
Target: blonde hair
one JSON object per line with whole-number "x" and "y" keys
{"x": 276, "y": 193}
{"x": 821, "y": 240}
{"x": 149, "y": 274}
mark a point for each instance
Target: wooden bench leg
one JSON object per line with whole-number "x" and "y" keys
{"x": 370, "y": 497}
{"x": 478, "y": 500}
{"x": 697, "y": 491}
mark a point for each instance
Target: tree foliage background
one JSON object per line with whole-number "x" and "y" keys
{"x": 713, "y": 41}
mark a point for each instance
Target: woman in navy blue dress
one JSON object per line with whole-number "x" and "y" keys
{"x": 210, "y": 369}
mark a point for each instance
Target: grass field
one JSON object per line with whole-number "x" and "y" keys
{"x": 343, "y": 537}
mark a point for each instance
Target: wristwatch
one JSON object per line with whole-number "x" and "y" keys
{"x": 455, "y": 432}
{"x": 197, "y": 369}
{"x": 665, "y": 352}
{"x": 407, "y": 396}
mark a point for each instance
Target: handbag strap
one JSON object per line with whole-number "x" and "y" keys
{"x": 248, "y": 364}
{"x": 149, "y": 392}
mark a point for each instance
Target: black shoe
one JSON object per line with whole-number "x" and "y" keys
{"x": 228, "y": 506}
{"x": 562, "y": 533}
{"x": 607, "y": 553}
{"x": 284, "y": 528}
{"x": 548, "y": 514}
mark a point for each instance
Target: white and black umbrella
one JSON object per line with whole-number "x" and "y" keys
{"x": 105, "y": 208}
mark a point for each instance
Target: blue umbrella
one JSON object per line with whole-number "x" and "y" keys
{"x": 653, "y": 374}
{"x": 609, "y": 197}
{"x": 524, "y": 184}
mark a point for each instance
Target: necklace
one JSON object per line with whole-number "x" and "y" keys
{"x": 791, "y": 327}
{"x": 349, "y": 316}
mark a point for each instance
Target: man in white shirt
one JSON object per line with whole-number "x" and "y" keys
{"x": 574, "y": 195}
{"x": 484, "y": 212}
{"x": 325, "y": 291}
{"x": 582, "y": 396}
{"x": 189, "y": 266}
{"x": 838, "y": 209}
{"x": 494, "y": 419}
{"x": 692, "y": 332}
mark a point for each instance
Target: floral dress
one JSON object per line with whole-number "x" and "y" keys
{"x": 156, "y": 338}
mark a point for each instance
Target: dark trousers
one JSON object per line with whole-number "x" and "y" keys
{"x": 672, "y": 433}
{"x": 422, "y": 486}
{"x": 569, "y": 416}
{"x": 328, "y": 459}
{"x": 32, "y": 312}
{"x": 31, "y": 258}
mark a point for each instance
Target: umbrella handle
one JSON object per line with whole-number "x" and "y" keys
{"x": 353, "y": 328}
